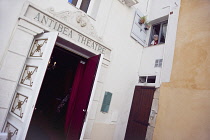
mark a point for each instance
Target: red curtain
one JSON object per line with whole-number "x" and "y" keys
{"x": 82, "y": 100}
{"x": 73, "y": 96}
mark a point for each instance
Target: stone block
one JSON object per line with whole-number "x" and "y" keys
{"x": 102, "y": 74}
{"x": 155, "y": 105}
{"x": 93, "y": 110}
{"x": 152, "y": 120}
{"x": 12, "y": 66}
{"x": 7, "y": 89}
{"x": 3, "y": 113}
{"x": 21, "y": 42}
{"x": 88, "y": 129}
{"x": 98, "y": 92}
{"x": 102, "y": 131}
{"x": 157, "y": 93}
{"x": 149, "y": 134}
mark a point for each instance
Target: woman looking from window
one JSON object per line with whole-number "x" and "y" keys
{"x": 155, "y": 40}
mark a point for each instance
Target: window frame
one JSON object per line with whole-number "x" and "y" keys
{"x": 158, "y": 63}
{"x": 160, "y": 32}
{"x": 92, "y": 10}
{"x": 79, "y": 3}
{"x": 146, "y": 79}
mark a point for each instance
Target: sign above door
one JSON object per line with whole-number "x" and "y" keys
{"x": 73, "y": 26}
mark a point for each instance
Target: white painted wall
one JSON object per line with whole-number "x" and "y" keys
{"x": 113, "y": 22}
{"x": 170, "y": 41}
{"x": 149, "y": 55}
{"x": 122, "y": 73}
{"x": 153, "y": 9}
{"x": 9, "y": 12}
{"x": 147, "y": 63}
{"x": 119, "y": 77}
{"x": 159, "y": 10}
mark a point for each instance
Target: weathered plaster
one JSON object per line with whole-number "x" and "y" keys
{"x": 103, "y": 131}
{"x": 153, "y": 115}
{"x": 184, "y": 107}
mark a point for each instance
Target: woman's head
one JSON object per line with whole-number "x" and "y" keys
{"x": 155, "y": 37}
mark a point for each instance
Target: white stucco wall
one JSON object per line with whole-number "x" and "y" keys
{"x": 149, "y": 55}
{"x": 9, "y": 12}
{"x": 157, "y": 12}
{"x": 119, "y": 77}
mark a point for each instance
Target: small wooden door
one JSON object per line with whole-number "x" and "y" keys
{"x": 139, "y": 113}
{"x": 27, "y": 90}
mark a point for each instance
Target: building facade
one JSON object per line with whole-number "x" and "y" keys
{"x": 184, "y": 101}
{"x": 39, "y": 38}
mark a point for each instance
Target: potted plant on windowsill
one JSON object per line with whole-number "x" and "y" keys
{"x": 147, "y": 25}
{"x": 142, "y": 20}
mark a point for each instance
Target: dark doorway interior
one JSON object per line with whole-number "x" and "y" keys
{"x": 48, "y": 119}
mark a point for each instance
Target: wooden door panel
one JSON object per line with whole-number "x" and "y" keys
{"x": 133, "y": 131}
{"x": 139, "y": 114}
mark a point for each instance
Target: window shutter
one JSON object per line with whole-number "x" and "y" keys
{"x": 138, "y": 32}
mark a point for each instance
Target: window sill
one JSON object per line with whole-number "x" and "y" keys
{"x": 158, "y": 45}
{"x": 147, "y": 84}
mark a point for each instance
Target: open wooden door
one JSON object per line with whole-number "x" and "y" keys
{"x": 139, "y": 113}
{"x": 27, "y": 90}
{"x": 83, "y": 97}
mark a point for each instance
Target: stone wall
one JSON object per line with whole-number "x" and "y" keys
{"x": 153, "y": 115}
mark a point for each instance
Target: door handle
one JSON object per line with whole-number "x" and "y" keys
{"x": 84, "y": 110}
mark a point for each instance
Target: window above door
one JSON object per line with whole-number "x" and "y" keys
{"x": 81, "y": 4}
{"x": 147, "y": 79}
{"x": 90, "y": 7}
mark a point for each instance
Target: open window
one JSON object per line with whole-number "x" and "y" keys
{"x": 81, "y": 4}
{"x": 90, "y": 7}
{"x": 147, "y": 79}
{"x": 158, "y": 33}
